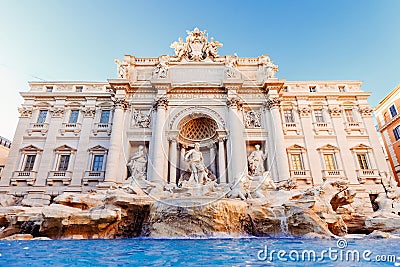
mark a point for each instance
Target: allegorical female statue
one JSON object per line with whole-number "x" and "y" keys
{"x": 137, "y": 164}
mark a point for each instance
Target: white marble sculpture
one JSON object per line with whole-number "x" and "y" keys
{"x": 137, "y": 164}
{"x": 196, "y": 164}
{"x": 256, "y": 162}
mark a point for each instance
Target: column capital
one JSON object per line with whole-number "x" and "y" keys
{"x": 234, "y": 102}
{"x": 25, "y": 112}
{"x": 120, "y": 103}
{"x": 365, "y": 111}
{"x": 273, "y": 102}
{"x": 161, "y": 102}
{"x": 335, "y": 112}
{"x": 304, "y": 111}
{"x": 89, "y": 112}
{"x": 57, "y": 112}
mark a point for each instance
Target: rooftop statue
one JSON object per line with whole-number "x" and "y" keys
{"x": 197, "y": 47}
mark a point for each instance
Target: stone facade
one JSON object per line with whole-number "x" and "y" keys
{"x": 77, "y": 136}
{"x": 4, "y": 150}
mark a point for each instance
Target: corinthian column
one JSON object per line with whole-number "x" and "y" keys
{"x": 238, "y": 159}
{"x": 158, "y": 159}
{"x": 113, "y": 158}
{"x": 278, "y": 140}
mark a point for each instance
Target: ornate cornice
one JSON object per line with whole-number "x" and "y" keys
{"x": 25, "y": 112}
{"x": 57, "y": 112}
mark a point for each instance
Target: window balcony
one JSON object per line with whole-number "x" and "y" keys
{"x": 70, "y": 127}
{"x": 93, "y": 176}
{"x": 301, "y": 175}
{"x": 326, "y": 174}
{"x": 353, "y": 126}
{"x": 38, "y": 127}
{"x": 59, "y": 176}
{"x": 290, "y": 126}
{"x": 322, "y": 127}
{"x": 102, "y": 127}
{"x": 23, "y": 176}
{"x": 368, "y": 174}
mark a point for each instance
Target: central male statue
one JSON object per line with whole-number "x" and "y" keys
{"x": 196, "y": 164}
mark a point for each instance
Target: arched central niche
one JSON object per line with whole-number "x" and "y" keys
{"x": 197, "y": 128}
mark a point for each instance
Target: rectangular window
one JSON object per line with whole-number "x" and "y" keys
{"x": 341, "y": 88}
{"x": 49, "y": 89}
{"x": 63, "y": 163}
{"x": 29, "y": 163}
{"x": 105, "y": 116}
{"x": 393, "y": 111}
{"x": 363, "y": 161}
{"x": 73, "y": 118}
{"x": 313, "y": 89}
{"x": 396, "y": 132}
{"x": 349, "y": 115}
{"x": 42, "y": 116}
{"x": 288, "y": 114}
{"x": 297, "y": 162}
{"x": 330, "y": 163}
{"x": 319, "y": 115}
{"x": 79, "y": 89}
{"x": 98, "y": 163}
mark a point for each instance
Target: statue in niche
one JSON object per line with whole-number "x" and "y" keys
{"x": 256, "y": 162}
{"x": 196, "y": 164}
{"x": 137, "y": 164}
{"x": 253, "y": 119}
{"x": 141, "y": 120}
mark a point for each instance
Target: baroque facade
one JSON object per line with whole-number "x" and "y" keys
{"x": 77, "y": 136}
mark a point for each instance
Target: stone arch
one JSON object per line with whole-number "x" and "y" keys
{"x": 190, "y": 113}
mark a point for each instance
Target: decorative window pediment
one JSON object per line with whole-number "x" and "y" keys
{"x": 31, "y": 148}
{"x": 361, "y": 147}
{"x": 296, "y": 147}
{"x": 328, "y": 147}
{"x": 98, "y": 148}
{"x": 65, "y": 148}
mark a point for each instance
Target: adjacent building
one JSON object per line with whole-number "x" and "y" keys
{"x": 75, "y": 136}
{"x": 388, "y": 118}
{"x": 4, "y": 150}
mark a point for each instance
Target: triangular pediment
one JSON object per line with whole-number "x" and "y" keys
{"x": 360, "y": 147}
{"x": 328, "y": 147}
{"x": 97, "y": 148}
{"x": 31, "y": 148}
{"x": 65, "y": 148}
{"x": 296, "y": 147}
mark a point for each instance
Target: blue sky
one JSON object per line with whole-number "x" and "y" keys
{"x": 309, "y": 40}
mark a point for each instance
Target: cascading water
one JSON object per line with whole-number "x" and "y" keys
{"x": 279, "y": 214}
